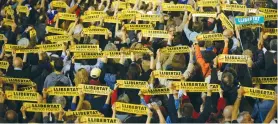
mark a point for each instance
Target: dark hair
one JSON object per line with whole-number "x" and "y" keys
{"x": 230, "y": 77}
{"x": 208, "y": 56}
{"x": 197, "y": 27}
{"x": 146, "y": 57}
{"x": 186, "y": 110}
{"x": 201, "y": 43}
{"x": 11, "y": 120}
{"x": 58, "y": 65}
{"x": 133, "y": 72}
{"x": 230, "y": 43}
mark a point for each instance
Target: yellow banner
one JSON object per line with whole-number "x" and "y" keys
{"x": 42, "y": 107}
{"x": 264, "y": 80}
{"x": 176, "y": 49}
{"x": 167, "y": 74}
{"x": 18, "y": 81}
{"x": 131, "y": 108}
{"x": 10, "y": 47}
{"x": 176, "y": 7}
{"x": 226, "y": 22}
{"x": 156, "y": 91}
{"x": 35, "y": 50}
{"x": 99, "y": 120}
{"x": 259, "y": 93}
{"x": 207, "y": 3}
{"x": 84, "y": 48}
{"x": 21, "y": 95}
{"x": 268, "y": 10}
{"x": 101, "y": 13}
{"x": 98, "y": 31}
{"x": 8, "y": 22}
{"x": 67, "y": 16}
{"x": 116, "y": 54}
{"x": 127, "y": 11}
{"x": 247, "y": 26}
{"x": 233, "y": 7}
{"x": 93, "y": 113}
{"x": 111, "y": 19}
{"x": 26, "y": 89}
{"x": 211, "y": 37}
{"x": 55, "y": 30}
{"x": 90, "y": 55}
{"x": 23, "y": 9}
{"x": 126, "y": 16}
{"x": 138, "y": 26}
{"x": 94, "y": 89}
{"x": 270, "y": 17}
{"x": 237, "y": 59}
{"x": 271, "y": 31}
{"x": 132, "y": 84}
{"x": 59, "y": 38}
{"x": 51, "y": 47}
{"x": 90, "y": 18}
{"x": 63, "y": 91}
{"x": 140, "y": 50}
{"x": 204, "y": 14}
{"x": 32, "y": 33}
{"x": 122, "y": 5}
{"x": 59, "y": 4}
{"x": 196, "y": 86}
{"x": 146, "y": 17}
{"x": 2, "y": 37}
{"x": 155, "y": 33}
{"x": 9, "y": 11}
{"x": 4, "y": 64}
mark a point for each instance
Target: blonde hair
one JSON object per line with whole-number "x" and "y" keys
{"x": 123, "y": 98}
{"x": 81, "y": 77}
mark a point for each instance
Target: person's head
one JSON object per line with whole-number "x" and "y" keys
{"x": 17, "y": 62}
{"x": 227, "y": 79}
{"x": 81, "y": 77}
{"x": 245, "y": 117}
{"x": 171, "y": 28}
{"x": 227, "y": 112}
{"x": 209, "y": 56}
{"x": 146, "y": 62}
{"x": 123, "y": 98}
{"x": 11, "y": 116}
{"x": 134, "y": 71}
{"x": 248, "y": 53}
{"x": 273, "y": 44}
{"x": 86, "y": 105}
{"x": 186, "y": 110}
{"x": 59, "y": 100}
{"x": 201, "y": 43}
{"x": 58, "y": 65}
{"x": 198, "y": 27}
{"x": 228, "y": 33}
{"x": 137, "y": 45}
{"x": 196, "y": 74}
{"x": 95, "y": 73}
{"x": 178, "y": 62}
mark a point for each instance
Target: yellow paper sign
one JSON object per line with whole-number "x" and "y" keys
{"x": 10, "y": 47}
{"x": 99, "y": 120}
{"x": 101, "y": 13}
{"x": 167, "y": 74}
{"x": 270, "y": 17}
{"x": 111, "y": 19}
{"x": 259, "y": 93}
{"x": 2, "y": 37}
{"x": 127, "y": 11}
{"x": 55, "y": 30}
{"x": 271, "y": 31}
{"x": 51, "y": 47}
{"x": 26, "y": 89}
{"x": 140, "y": 50}
{"x": 90, "y": 18}
{"x": 247, "y": 26}
{"x": 131, "y": 108}
{"x": 156, "y": 91}
{"x": 21, "y": 95}
{"x": 196, "y": 86}
{"x": 126, "y": 16}
{"x": 94, "y": 89}
{"x": 264, "y": 80}
{"x": 93, "y": 113}
{"x": 8, "y": 22}
{"x": 23, "y": 9}
{"x": 59, "y": 4}
{"x": 4, "y": 64}
{"x": 116, "y": 54}
{"x": 204, "y": 14}
{"x": 122, "y": 5}
{"x": 226, "y": 22}
{"x": 63, "y": 91}
{"x": 90, "y": 55}
{"x": 155, "y": 33}
{"x": 132, "y": 84}
{"x": 268, "y": 10}
{"x": 176, "y": 7}
{"x": 18, "y": 81}
{"x": 138, "y": 26}
{"x": 176, "y": 49}
{"x": 67, "y": 16}
{"x": 35, "y": 50}
{"x": 207, "y": 3}
{"x": 42, "y": 107}
{"x": 233, "y": 7}
{"x": 9, "y": 11}
{"x": 237, "y": 59}
{"x": 211, "y": 37}
{"x": 32, "y": 33}
{"x": 146, "y": 17}
{"x": 59, "y": 38}
{"x": 98, "y": 31}
{"x": 84, "y": 48}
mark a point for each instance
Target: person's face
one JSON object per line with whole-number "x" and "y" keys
{"x": 247, "y": 119}
{"x": 172, "y": 30}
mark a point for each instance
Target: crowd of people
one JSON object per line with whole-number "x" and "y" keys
{"x": 25, "y": 24}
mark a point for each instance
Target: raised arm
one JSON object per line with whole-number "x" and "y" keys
{"x": 240, "y": 92}
{"x": 273, "y": 111}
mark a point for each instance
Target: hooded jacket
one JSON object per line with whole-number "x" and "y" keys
{"x": 52, "y": 78}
